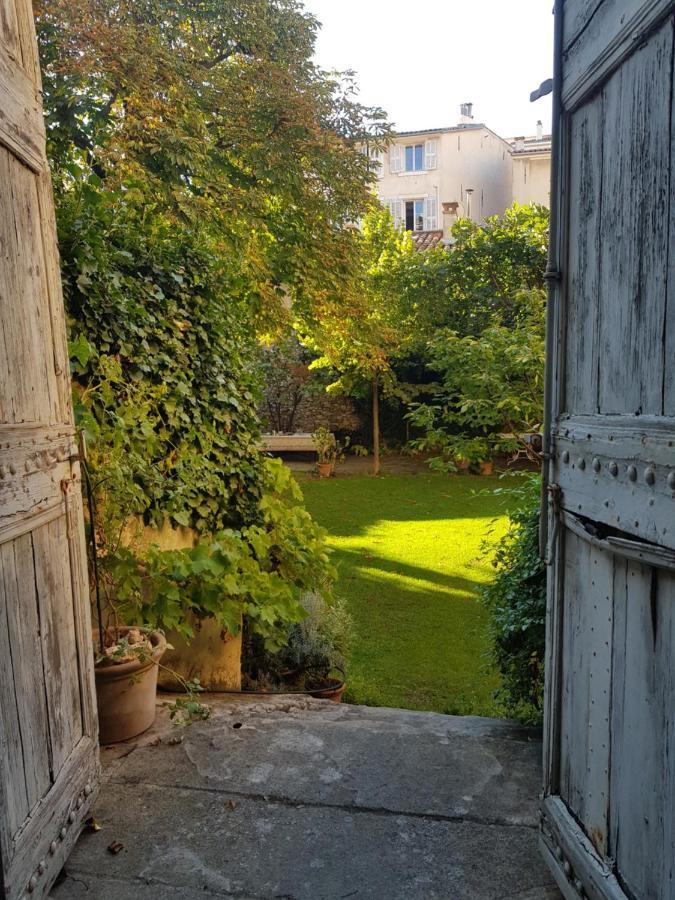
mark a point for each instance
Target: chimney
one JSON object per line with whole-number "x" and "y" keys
{"x": 465, "y": 113}
{"x": 540, "y": 130}
{"x": 519, "y": 144}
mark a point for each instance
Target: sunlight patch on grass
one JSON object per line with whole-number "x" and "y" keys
{"x": 409, "y": 555}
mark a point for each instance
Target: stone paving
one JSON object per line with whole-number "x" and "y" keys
{"x": 298, "y": 799}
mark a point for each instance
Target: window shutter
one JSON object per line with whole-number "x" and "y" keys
{"x": 431, "y": 214}
{"x": 395, "y": 208}
{"x": 395, "y": 159}
{"x": 431, "y": 155}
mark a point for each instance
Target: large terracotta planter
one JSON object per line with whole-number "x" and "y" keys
{"x": 324, "y": 470}
{"x": 487, "y": 467}
{"x": 126, "y": 693}
{"x": 212, "y": 655}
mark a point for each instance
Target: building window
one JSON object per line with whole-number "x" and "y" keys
{"x": 414, "y": 158}
{"x": 414, "y": 215}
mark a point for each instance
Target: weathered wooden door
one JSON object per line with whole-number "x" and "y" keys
{"x": 48, "y": 731}
{"x": 608, "y": 817}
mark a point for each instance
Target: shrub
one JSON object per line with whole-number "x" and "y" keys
{"x": 516, "y": 602}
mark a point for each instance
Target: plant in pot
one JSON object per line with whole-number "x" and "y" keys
{"x": 314, "y": 656}
{"x": 326, "y": 451}
{"x": 312, "y": 660}
{"x": 128, "y": 656}
{"x": 329, "y": 451}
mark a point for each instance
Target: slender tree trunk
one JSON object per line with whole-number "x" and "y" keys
{"x": 376, "y": 424}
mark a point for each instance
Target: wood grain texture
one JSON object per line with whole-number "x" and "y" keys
{"x": 643, "y": 704}
{"x": 585, "y": 707}
{"x": 57, "y": 633}
{"x": 583, "y": 265}
{"x": 634, "y": 246}
{"x": 600, "y": 36}
{"x": 619, "y": 471}
{"x": 49, "y": 766}
{"x": 21, "y": 125}
{"x": 608, "y": 828}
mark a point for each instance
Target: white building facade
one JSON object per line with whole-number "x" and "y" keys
{"x": 429, "y": 179}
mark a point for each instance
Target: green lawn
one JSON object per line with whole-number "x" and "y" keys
{"x": 408, "y": 553}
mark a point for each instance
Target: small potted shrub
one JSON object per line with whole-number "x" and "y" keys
{"x": 316, "y": 648}
{"x": 329, "y": 452}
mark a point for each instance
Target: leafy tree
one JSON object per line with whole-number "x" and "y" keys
{"x": 478, "y": 280}
{"x": 215, "y": 114}
{"x": 204, "y": 170}
{"x": 491, "y": 385}
{"x": 361, "y": 334}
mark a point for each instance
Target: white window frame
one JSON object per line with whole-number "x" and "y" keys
{"x": 405, "y": 153}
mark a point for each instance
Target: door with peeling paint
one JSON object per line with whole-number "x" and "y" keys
{"x": 608, "y": 814}
{"x": 48, "y": 732}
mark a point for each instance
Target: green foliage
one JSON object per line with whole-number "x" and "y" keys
{"x": 257, "y": 571}
{"x": 479, "y": 279}
{"x": 319, "y": 645}
{"x": 516, "y": 602}
{"x": 362, "y": 332}
{"x": 153, "y": 303}
{"x": 204, "y": 170}
{"x": 491, "y": 386}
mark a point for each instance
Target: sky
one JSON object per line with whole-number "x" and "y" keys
{"x": 419, "y": 59}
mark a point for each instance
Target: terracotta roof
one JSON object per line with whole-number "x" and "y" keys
{"x": 425, "y": 240}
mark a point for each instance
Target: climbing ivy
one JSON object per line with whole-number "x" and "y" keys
{"x": 156, "y": 302}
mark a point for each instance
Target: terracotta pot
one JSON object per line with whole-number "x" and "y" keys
{"x": 126, "y": 693}
{"x": 324, "y": 470}
{"x": 212, "y": 655}
{"x": 333, "y": 691}
{"x": 462, "y": 465}
{"x": 486, "y": 467}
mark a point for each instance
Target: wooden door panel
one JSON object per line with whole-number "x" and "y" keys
{"x": 608, "y": 814}
{"x": 643, "y": 731}
{"x": 586, "y": 689}
{"x": 31, "y": 392}
{"x": 60, "y": 668}
{"x": 598, "y": 35}
{"x": 49, "y": 766}
{"x": 586, "y": 143}
{"x": 634, "y": 243}
{"x": 620, "y": 472}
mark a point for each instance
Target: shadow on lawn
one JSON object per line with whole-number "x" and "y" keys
{"x": 428, "y": 583}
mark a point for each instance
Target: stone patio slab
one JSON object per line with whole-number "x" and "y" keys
{"x": 313, "y": 801}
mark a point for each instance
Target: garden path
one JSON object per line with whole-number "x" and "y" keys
{"x": 298, "y": 798}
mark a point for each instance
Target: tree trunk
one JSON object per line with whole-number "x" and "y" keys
{"x": 376, "y": 424}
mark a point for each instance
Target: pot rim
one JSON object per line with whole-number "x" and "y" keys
{"x": 135, "y": 666}
{"x": 335, "y": 685}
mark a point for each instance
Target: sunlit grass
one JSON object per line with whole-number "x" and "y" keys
{"x": 409, "y": 554}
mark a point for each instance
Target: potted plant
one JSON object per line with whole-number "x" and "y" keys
{"x": 316, "y": 648}
{"x": 329, "y": 451}
{"x": 126, "y": 665}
